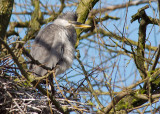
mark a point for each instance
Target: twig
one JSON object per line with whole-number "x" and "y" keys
{"x": 156, "y": 59}
{"x": 16, "y": 103}
{"x": 88, "y": 81}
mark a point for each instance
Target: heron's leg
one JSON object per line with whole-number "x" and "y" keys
{"x": 51, "y": 79}
{"x": 51, "y": 84}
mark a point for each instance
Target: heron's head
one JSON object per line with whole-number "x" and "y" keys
{"x": 69, "y": 19}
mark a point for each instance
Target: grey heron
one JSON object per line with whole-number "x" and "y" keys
{"x": 55, "y": 44}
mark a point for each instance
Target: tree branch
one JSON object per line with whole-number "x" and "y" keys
{"x": 114, "y": 7}
{"x": 6, "y": 7}
{"x": 83, "y": 10}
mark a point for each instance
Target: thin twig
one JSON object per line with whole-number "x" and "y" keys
{"x": 156, "y": 59}
{"x": 16, "y": 103}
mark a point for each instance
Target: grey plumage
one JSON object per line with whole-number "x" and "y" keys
{"x": 54, "y": 45}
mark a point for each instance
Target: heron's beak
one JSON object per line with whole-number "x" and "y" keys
{"x": 79, "y": 25}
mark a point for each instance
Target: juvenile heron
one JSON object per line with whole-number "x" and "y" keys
{"x": 54, "y": 44}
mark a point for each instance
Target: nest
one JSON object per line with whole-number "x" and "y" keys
{"x": 18, "y": 98}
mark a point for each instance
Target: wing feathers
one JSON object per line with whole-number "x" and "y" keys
{"x": 47, "y": 48}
